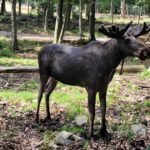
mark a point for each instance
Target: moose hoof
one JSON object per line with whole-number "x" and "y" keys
{"x": 104, "y": 133}
{"x": 48, "y": 120}
{"x": 36, "y": 120}
{"x": 90, "y": 137}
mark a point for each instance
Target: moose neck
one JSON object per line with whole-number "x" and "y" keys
{"x": 115, "y": 55}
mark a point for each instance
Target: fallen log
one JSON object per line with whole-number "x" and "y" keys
{"x": 131, "y": 69}
{"x": 18, "y": 69}
{"x": 30, "y": 69}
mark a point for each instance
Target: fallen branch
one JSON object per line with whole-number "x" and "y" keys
{"x": 144, "y": 86}
{"x": 29, "y": 69}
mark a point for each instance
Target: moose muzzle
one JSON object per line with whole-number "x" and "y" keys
{"x": 144, "y": 53}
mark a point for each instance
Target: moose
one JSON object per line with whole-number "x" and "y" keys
{"x": 92, "y": 66}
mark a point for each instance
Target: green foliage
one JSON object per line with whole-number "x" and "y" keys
{"x": 6, "y": 52}
{"x": 145, "y": 74}
{"x": 147, "y": 103}
{"x": 47, "y": 136}
{"x": 126, "y": 131}
{"x": 5, "y": 49}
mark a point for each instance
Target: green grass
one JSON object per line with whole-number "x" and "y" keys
{"x": 73, "y": 129}
{"x": 120, "y": 20}
{"x": 17, "y": 61}
{"x": 5, "y": 49}
{"x": 145, "y": 74}
{"x": 113, "y": 91}
{"x": 29, "y": 45}
{"x": 27, "y": 98}
{"x": 74, "y": 99}
{"x": 47, "y": 138}
{"x": 29, "y": 85}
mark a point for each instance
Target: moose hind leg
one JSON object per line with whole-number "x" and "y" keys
{"x": 51, "y": 84}
{"x": 43, "y": 81}
{"x": 91, "y": 107}
{"x": 102, "y": 97}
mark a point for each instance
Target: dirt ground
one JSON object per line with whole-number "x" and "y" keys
{"x": 20, "y": 132}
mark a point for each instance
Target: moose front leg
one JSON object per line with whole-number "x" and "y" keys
{"x": 91, "y": 107}
{"x": 102, "y": 98}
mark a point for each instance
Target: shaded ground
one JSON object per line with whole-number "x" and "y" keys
{"x": 41, "y": 37}
{"x": 18, "y": 129}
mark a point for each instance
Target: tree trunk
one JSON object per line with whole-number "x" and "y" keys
{"x": 28, "y": 8}
{"x": 127, "y": 10}
{"x": 80, "y": 19}
{"x": 123, "y": 8}
{"x": 66, "y": 19}
{"x": 140, "y": 13}
{"x": 19, "y": 8}
{"x": 87, "y": 11}
{"x": 3, "y": 9}
{"x": 92, "y": 21}
{"x": 46, "y": 15}
{"x": 58, "y": 24}
{"x": 112, "y": 12}
{"x": 69, "y": 16}
{"x": 14, "y": 26}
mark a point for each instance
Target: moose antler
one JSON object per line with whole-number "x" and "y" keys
{"x": 144, "y": 30}
{"x": 138, "y": 30}
{"x": 114, "y": 31}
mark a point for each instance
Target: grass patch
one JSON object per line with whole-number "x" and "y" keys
{"x": 147, "y": 103}
{"x": 26, "y": 99}
{"x": 29, "y": 85}
{"x": 16, "y": 96}
{"x": 5, "y": 49}
{"x": 145, "y": 74}
{"x": 75, "y": 130}
{"x": 29, "y": 45}
{"x": 17, "y": 61}
{"x": 73, "y": 98}
{"x": 113, "y": 91}
{"x": 119, "y": 20}
{"x": 126, "y": 131}
{"x": 48, "y": 137}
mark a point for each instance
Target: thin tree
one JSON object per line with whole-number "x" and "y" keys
{"x": 92, "y": 21}
{"x": 111, "y": 11}
{"x": 46, "y": 15}
{"x": 65, "y": 22}
{"x": 123, "y": 8}
{"x": 14, "y": 26}
{"x": 58, "y": 24}
{"x": 80, "y": 19}
{"x": 3, "y": 9}
{"x": 19, "y": 11}
{"x": 87, "y": 11}
{"x": 69, "y": 15}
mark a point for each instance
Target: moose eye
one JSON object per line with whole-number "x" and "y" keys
{"x": 127, "y": 41}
